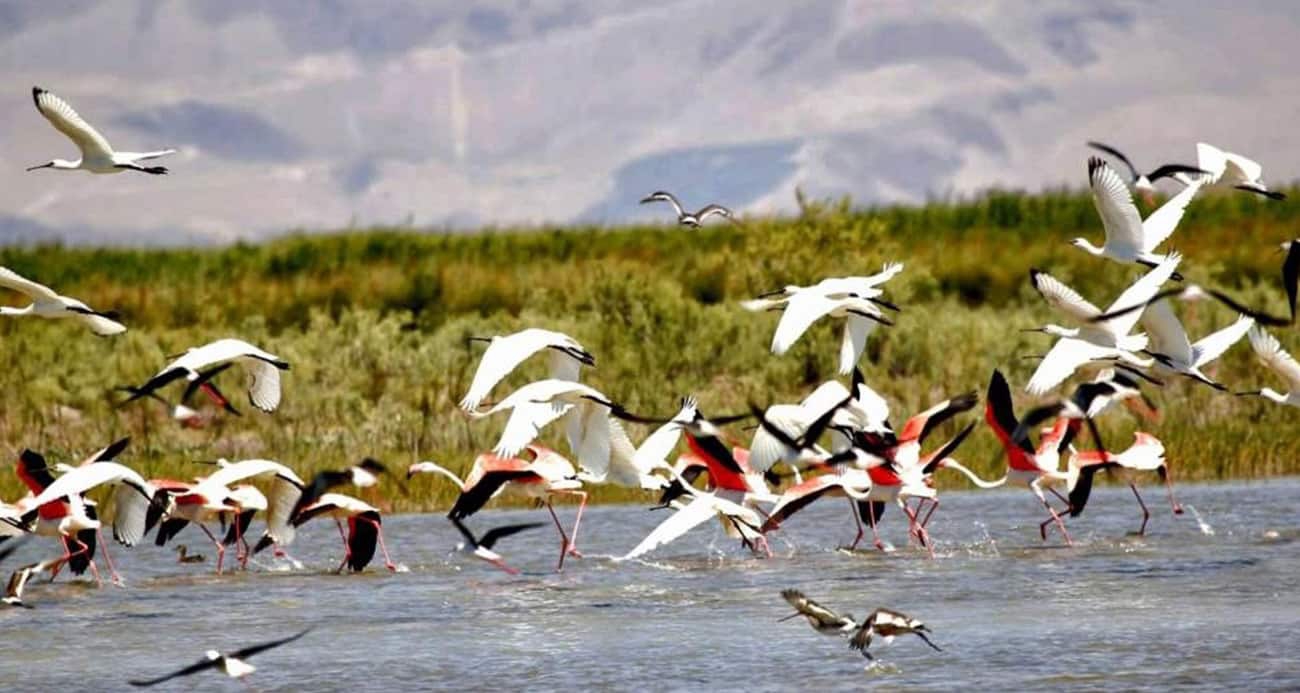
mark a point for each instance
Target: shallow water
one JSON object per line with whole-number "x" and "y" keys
{"x": 1193, "y": 605}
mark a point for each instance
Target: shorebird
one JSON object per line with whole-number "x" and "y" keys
{"x": 183, "y": 555}
{"x": 48, "y": 304}
{"x": 232, "y": 664}
{"x": 1109, "y": 339}
{"x": 198, "y": 365}
{"x": 887, "y": 624}
{"x": 1271, "y": 354}
{"x": 18, "y": 581}
{"x": 1147, "y": 454}
{"x": 1235, "y": 170}
{"x": 505, "y": 353}
{"x": 97, "y": 156}
{"x": 545, "y": 475}
{"x": 481, "y": 547}
{"x": 803, "y": 306}
{"x": 1129, "y": 238}
{"x": 685, "y": 218}
{"x": 823, "y": 620}
{"x": 1144, "y": 182}
{"x": 365, "y": 527}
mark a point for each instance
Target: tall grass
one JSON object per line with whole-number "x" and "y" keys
{"x": 375, "y": 325}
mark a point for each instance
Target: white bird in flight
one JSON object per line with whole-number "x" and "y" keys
{"x": 1129, "y": 238}
{"x": 1235, "y": 170}
{"x": 1145, "y": 182}
{"x": 505, "y": 353}
{"x": 1271, "y": 353}
{"x": 232, "y": 664}
{"x": 48, "y": 304}
{"x": 1108, "y": 339}
{"x": 805, "y": 306}
{"x": 198, "y": 365}
{"x": 691, "y": 219}
{"x": 97, "y": 156}
{"x": 1174, "y": 352}
{"x": 537, "y": 404}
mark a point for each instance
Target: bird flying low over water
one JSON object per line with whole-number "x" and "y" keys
{"x": 198, "y": 365}
{"x": 481, "y": 547}
{"x": 48, "y": 304}
{"x": 505, "y": 353}
{"x": 1143, "y": 182}
{"x": 231, "y": 664}
{"x": 691, "y": 219}
{"x": 97, "y": 156}
{"x": 822, "y": 620}
{"x": 885, "y": 623}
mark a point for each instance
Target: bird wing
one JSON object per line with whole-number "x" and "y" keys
{"x": 670, "y": 199}
{"x": 1167, "y": 334}
{"x": 1211, "y": 159}
{"x": 1114, "y": 203}
{"x": 12, "y": 280}
{"x": 82, "y": 479}
{"x": 810, "y": 608}
{"x": 1061, "y": 361}
{"x": 130, "y": 510}
{"x": 527, "y": 419}
{"x": 264, "y": 389}
{"x": 1212, "y": 346}
{"x": 1000, "y": 413}
{"x": 255, "y": 649}
{"x": 1138, "y": 293}
{"x": 99, "y": 324}
{"x": 655, "y": 449}
{"x": 1161, "y": 223}
{"x": 889, "y": 271}
{"x": 1062, "y": 297}
{"x": 502, "y": 356}
{"x": 1118, "y": 155}
{"x": 191, "y": 669}
{"x": 713, "y": 210}
{"x": 766, "y": 449}
{"x": 1271, "y": 353}
{"x": 801, "y": 311}
{"x": 65, "y": 120}
{"x": 593, "y": 448}
{"x": 492, "y": 536}
{"x": 690, "y": 516}
{"x": 145, "y": 156}
{"x": 922, "y": 424}
{"x": 856, "y": 330}
{"x": 1239, "y": 167}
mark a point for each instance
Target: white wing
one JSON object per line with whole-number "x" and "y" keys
{"x": 218, "y": 352}
{"x": 1212, "y": 346}
{"x": 1162, "y": 222}
{"x": 692, "y": 515}
{"x": 1114, "y": 202}
{"x": 527, "y": 420}
{"x": 1211, "y": 159}
{"x": 100, "y": 325}
{"x": 1240, "y": 169}
{"x": 82, "y": 479}
{"x": 593, "y": 449}
{"x": 505, "y": 354}
{"x": 1271, "y": 353}
{"x": 889, "y": 271}
{"x": 765, "y": 449}
{"x": 1062, "y": 297}
{"x": 1167, "y": 334}
{"x": 65, "y": 120}
{"x": 1061, "y": 361}
{"x": 655, "y": 449}
{"x": 285, "y": 494}
{"x": 856, "y": 330}
{"x": 233, "y": 473}
{"x": 801, "y": 311}
{"x": 1138, "y": 293}
{"x": 130, "y": 509}
{"x": 12, "y": 280}
{"x": 264, "y": 390}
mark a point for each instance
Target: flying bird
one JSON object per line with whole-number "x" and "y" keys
{"x": 1190, "y": 293}
{"x": 18, "y": 581}
{"x": 1144, "y": 182}
{"x": 1271, "y": 354}
{"x": 481, "y": 547}
{"x": 48, "y": 304}
{"x": 887, "y": 624}
{"x": 801, "y": 308}
{"x": 505, "y": 353}
{"x": 1175, "y": 353}
{"x": 198, "y": 365}
{"x": 232, "y": 664}
{"x": 1235, "y": 170}
{"x": 690, "y": 219}
{"x": 822, "y": 619}
{"x": 97, "y": 156}
{"x": 1129, "y": 238}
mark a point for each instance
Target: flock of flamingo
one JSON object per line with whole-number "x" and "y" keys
{"x": 837, "y": 441}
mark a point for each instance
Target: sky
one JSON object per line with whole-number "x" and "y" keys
{"x": 323, "y": 115}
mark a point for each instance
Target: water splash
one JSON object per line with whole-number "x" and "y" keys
{"x": 1206, "y": 529}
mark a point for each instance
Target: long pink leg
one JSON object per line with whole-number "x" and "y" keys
{"x": 564, "y": 538}
{"x": 112, "y": 571}
{"x": 926, "y": 522}
{"x": 347, "y": 550}
{"x": 388, "y": 562}
{"x": 67, "y": 556}
{"x": 857, "y": 519}
{"x": 94, "y": 570}
{"x": 1146, "y": 514}
{"x": 1042, "y": 529}
{"x": 573, "y": 533}
{"x": 221, "y": 549}
{"x": 1169, "y": 484}
{"x": 875, "y": 533}
{"x": 922, "y": 536}
{"x": 241, "y": 546}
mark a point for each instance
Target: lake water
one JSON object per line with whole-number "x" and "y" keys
{"x": 1207, "y": 604}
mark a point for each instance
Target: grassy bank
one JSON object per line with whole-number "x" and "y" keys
{"x": 375, "y": 323}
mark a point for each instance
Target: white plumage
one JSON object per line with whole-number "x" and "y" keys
{"x": 505, "y": 353}
{"x": 1130, "y": 239}
{"x": 46, "y": 303}
{"x": 97, "y": 156}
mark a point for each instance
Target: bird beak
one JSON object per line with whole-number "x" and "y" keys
{"x": 1032, "y": 329}
{"x": 33, "y": 168}
{"x": 647, "y": 199}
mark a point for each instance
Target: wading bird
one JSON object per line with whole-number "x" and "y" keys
{"x": 1147, "y": 454}
{"x": 1271, "y": 354}
{"x": 364, "y": 475}
{"x": 1129, "y": 238}
{"x": 1144, "y": 182}
{"x": 365, "y": 527}
{"x": 738, "y": 520}
{"x": 690, "y": 219}
{"x": 198, "y": 365}
{"x": 183, "y": 555}
{"x": 1175, "y": 354}
{"x": 822, "y": 619}
{"x": 48, "y": 304}
{"x": 505, "y": 353}
{"x": 1235, "y": 170}
{"x": 232, "y": 664}
{"x": 97, "y": 156}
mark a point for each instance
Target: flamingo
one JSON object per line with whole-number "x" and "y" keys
{"x": 546, "y": 475}
{"x": 887, "y": 624}
{"x": 364, "y": 475}
{"x": 364, "y": 528}
{"x": 46, "y": 303}
{"x": 1129, "y": 238}
{"x": 1271, "y": 354}
{"x": 199, "y": 364}
{"x": 232, "y": 664}
{"x": 1146, "y": 454}
{"x": 1144, "y": 182}
{"x": 855, "y": 484}
{"x": 505, "y": 353}
{"x": 1235, "y": 170}
{"x": 691, "y": 219}
{"x": 1109, "y": 339}
{"x": 97, "y": 156}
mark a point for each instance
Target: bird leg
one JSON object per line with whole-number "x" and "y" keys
{"x": 379, "y": 530}
{"x": 241, "y": 546}
{"x": 221, "y": 548}
{"x": 926, "y": 522}
{"x": 347, "y": 550}
{"x": 875, "y": 533}
{"x": 573, "y": 534}
{"x": 94, "y": 570}
{"x": 564, "y": 538}
{"x": 857, "y": 520}
{"x": 1169, "y": 484}
{"x": 67, "y": 556}
{"x": 1042, "y": 528}
{"x": 915, "y": 528}
{"x": 112, "y": 571}
{"x": 1146, "y": 514}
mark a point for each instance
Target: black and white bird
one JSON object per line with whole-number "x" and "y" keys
{"x": 365, "y": 528}
{"x": 888, "y": 624}
{"x": 481, "y": 547}
{"x": 231, "y": 664}
{"x": 691, "y": 219}
{"x": 364, "y": 475}
{"x": 1129, "y": 237}
{"x": 822, "y": 620}
{"x": 1144, "y": 182}
{"x": 198, "y": 365}
{"x": 1233, "y": 170}
{"x": 48, "y": 304}
{"x": 505, "y": 353}
{"x": 18, "y": 581}
{"x": 97, "y": 156}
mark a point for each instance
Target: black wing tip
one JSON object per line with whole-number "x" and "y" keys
{"x": 1094, "y": 163}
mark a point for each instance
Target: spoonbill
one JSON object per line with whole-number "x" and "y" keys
{"x": 1235, "y": 170}
{"x": 97, "y": 156}
{"x": 505, "y": 353}
{"x": 197, "y": 366}
{"x": 1174, "y": 353}
{"x": 823, "y": 620}
{"x": 806, "y": 306}
{"x": 365, "y": 527}
{"x": 1271, "y": 354}
{"x": 1129, "y": 238}
{"x": 1147, "y": 454}
{"x": 691, "y": 219}
{"x": 1109, "y": 339}
{"x": 887, "y": 624}
{"x": 48, "y": 304}
{"x": 1144, "y": 182}
{"x": 741, "y": 521}
{"x": 1190, "y": 293}
{"x": 232, "y": 664}
{"x": 537, "y": 404}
